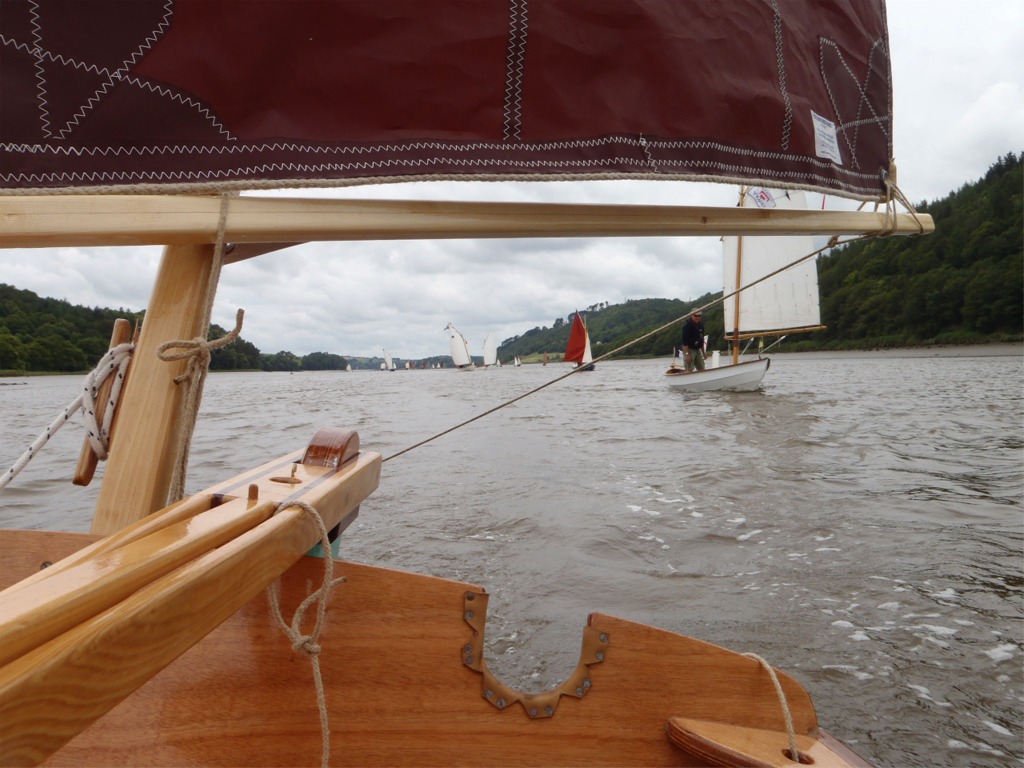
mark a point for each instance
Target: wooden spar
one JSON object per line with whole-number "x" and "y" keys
{"x": 119, "y": 613}
{"x": 139, "y": 470}
{"x": 43, "y": 221}
{"x": 87, "y": 459}
{"x": 781, "y": 331}
{"x": 736, "y": 300}
{"x": 739, "y": 285}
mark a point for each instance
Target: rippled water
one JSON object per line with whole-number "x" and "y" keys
{"x": 859, "y": 522}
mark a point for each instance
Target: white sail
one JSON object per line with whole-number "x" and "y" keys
{"x": 459, "y": 348}
{"x": 490, "y": 350}
{"x": 786, "y": 301}
{"x": 388, "y": 364}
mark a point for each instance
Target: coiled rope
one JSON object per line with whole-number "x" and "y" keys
{"x": 115, "y": 362}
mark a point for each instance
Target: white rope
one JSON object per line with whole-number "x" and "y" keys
{"x": 114, "y": 362}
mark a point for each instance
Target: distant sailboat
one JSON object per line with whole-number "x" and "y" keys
{"x": 490, "y": 351}
{"x": 787, "y": 302}
{"x": 388, "y": 364}
{"x": 459, "y": 349}
{"x": 518, "y": 362}
{"x": 577, "y": 351}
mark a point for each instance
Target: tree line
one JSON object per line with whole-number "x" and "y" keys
{"x": 963, "y": 284}
{"x": 41, "y": 335}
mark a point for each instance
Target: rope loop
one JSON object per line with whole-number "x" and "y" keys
{"x": 114, "y": 362}
{"x": 198, "y": 353}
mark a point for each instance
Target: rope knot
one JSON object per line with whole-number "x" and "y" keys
{"x": 198, "y": 353}
{"x": 309, "y": 643}
{"x": 306, "y": 644}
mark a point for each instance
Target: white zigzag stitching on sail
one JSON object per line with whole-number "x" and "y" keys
{"x": 120, "y": 75}
{"x": 518, "y": 26}
{"x": 305, "y": 168}
{"x": 787, "y": 124}
{"x": 758, "y": 153}
{"x": 117, "y": 75}
{"x": 36, "y": 51}
{"x": 881, "y": 121}
{"x": 278, "y": 146}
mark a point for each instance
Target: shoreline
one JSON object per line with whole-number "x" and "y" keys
{"x": 952, "y": 350}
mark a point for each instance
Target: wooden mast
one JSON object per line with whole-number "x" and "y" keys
{"x": 141, "y": 463}
{"x": 739, "y": 284}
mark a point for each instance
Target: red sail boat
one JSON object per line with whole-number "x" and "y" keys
{"x": 577, "y": 351}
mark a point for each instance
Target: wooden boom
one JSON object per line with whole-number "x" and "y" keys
{"x": 90, "y": 220}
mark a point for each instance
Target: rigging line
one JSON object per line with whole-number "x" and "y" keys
{"x": 831, "y": 243}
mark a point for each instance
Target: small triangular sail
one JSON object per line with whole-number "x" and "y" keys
{"x": 784, "y": 302}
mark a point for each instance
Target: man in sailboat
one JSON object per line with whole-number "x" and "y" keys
{"x": 693, "y": 342}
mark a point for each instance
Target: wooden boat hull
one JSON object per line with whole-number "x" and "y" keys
{"x": 742, "y": 377}
{"x": 400, "y": 689}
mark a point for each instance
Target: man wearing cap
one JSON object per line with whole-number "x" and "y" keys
{"x": 693, "y": 342}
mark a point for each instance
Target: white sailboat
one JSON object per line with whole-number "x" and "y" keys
{"x": 490, "y": 351}
{"x": 459, "y": 349}
{"x": 388, "y": 364}
{"x": 518, "y": 362}
{"x": 784, "y": 303}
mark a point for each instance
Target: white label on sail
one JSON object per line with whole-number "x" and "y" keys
{"x": 762, "y": 197}
{"x": 826, "y": 143}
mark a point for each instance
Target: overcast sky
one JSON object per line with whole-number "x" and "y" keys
{"x": 958, "y": 70}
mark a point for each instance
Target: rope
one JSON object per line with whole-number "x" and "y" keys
{"x": 309, "y": 644}
{"x": 115, "y": 361}
{"x": 794, "y": 753}
{"x": 197, "y": 351}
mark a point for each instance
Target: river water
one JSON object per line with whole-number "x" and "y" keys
{"x": 859, "y": 522}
